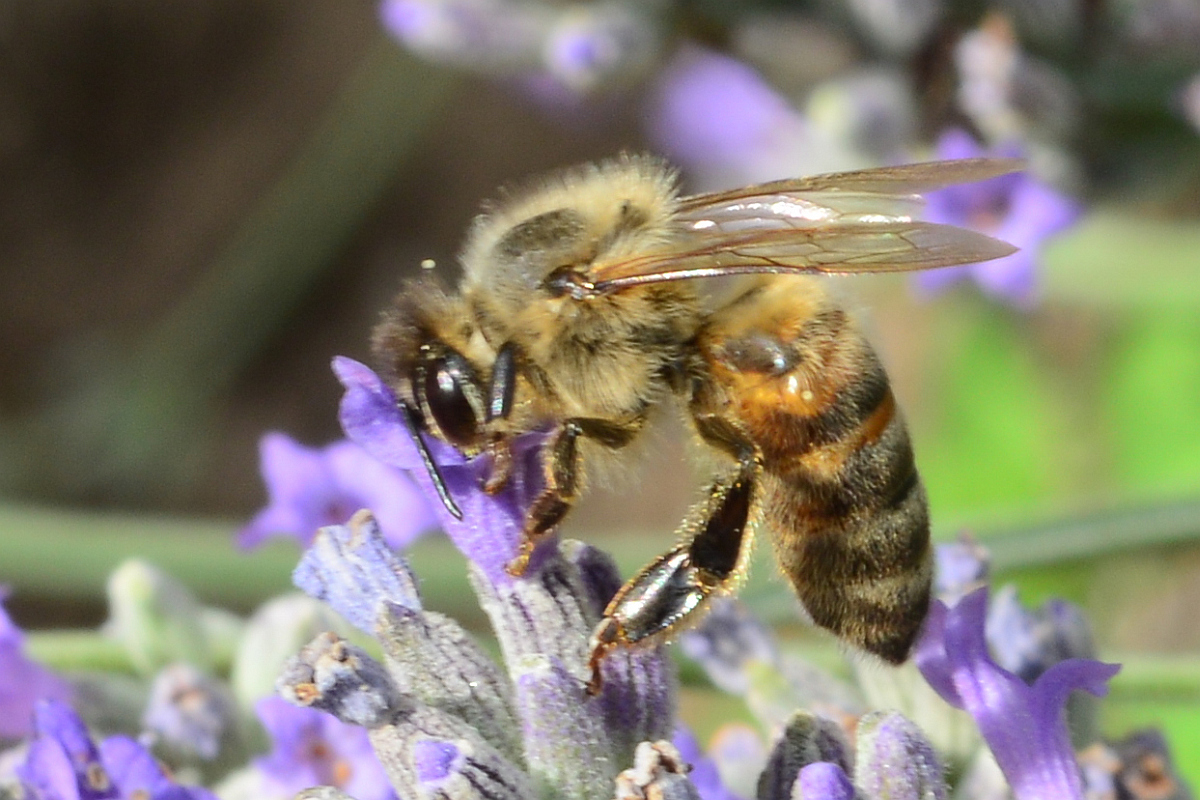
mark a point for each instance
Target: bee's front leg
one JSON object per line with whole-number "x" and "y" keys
{"x": 560, "y": 459}
{"x": 563, "y": 476}
{"x": 669, "y": 592}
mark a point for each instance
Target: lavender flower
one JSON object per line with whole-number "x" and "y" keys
{"x": 64, "y": 763}
{"x": 1138, "y": 767}
{"x": 1007, "y": 93}
{"x": 823, "y": 781}
{"x": 1015, "y": 208}
{"x": 580, "y": 47}
{"x": 189, "y": 712}
{"x": 1023, "y": 725}
{"x": 1029, "y": 642}
{"x": 740, "y": 655}
{"x": 491, "y": 527}
{"x": 23, "y": 682}
{"x": 712, "y": 109}
{"x": 722, "y": 121}
{"x": 312, "y": 748}
{"x": 443, "y": 717}
{"x": 312, "y": 487}
{"x": 960, "y": 567}
{"x": 704, "y": 773}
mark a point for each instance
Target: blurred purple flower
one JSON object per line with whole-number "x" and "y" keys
{"x": 1023, "y": 725}
{"x": 720, "y": 119}
{"x": 1028, "y": 642}
{"x": 189, "y": 711}
{"x": 312, "y": 748}
{"x": 1015, "y": 208}
{"x": 960, "y": 567}
{"x": 712, "y": 107}
{"x": 313, "y": 487}
{"x": 22, "y": 682}
{"x": 64, "y": 763}
{"x": 485, "y": 34}
{"x": 579, "y": 46}
{"x": 704, "y": 772}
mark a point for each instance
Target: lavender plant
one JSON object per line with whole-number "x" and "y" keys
{"x": 413, "y": 706}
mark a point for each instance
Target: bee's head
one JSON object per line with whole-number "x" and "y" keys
{"x": 428, "y": 350}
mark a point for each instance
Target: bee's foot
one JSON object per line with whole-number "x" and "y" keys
{"x": 518, "y": 566}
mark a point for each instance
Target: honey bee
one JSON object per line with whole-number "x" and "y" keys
{"x": 585, "y": 302}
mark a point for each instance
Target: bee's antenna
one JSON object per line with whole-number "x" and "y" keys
{"x": 410, "y": 419}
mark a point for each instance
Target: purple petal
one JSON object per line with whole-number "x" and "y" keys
{"x": 22, "y": 682}
{"x": 491, "y": 527}
{"x": 960, "y": 567}
{"x": 310, "y": 488}
{"x": 1013, "y": 278}
{"x": 823, "y": 781}
{"x": 930, "y": 655}
{"x": 711, "y": 107}
{"x": 394, "y": 500}
{"x": 139, "y": 776}
{"x": 351, "y": 568}
{"x": 371, "y": 417}
{"x": 434, "y": 761}
{"x": 312, "y": 748}
{"x": 935, "y": 281}
{"x": 1036, "y": 212}
{"x": 704, "y": 772}
{"x": 955, "y": 143}
{"x": 1015, "y": 208}
{"x": 63, "y": 761}
{"x": 47, "y": 772}
{"x": 1024, "y": 726}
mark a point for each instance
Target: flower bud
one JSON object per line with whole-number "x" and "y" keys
{"x": 189, "y": 713}
{"x": 333, "y": 675}
{"x": 658, "y": 771}
{"x": 156, "y": 618}
{"x": 823, "y": 781}
{"x": 277, "y": 630}
{"x": 806, "y": 740}
{"x": 895, "y": 761}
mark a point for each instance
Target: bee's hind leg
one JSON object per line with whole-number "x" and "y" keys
{"x": 669, "y": 592}
{"x": 562, "y": 474}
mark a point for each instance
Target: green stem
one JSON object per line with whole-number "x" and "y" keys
{"x": 69, "y": 554}
{"x": 1094, "y": 535}
{"x": 78, "y": 650}
{"x": 1143, "y": 676}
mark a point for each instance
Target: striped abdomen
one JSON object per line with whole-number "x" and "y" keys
{"x": 838, "y": 489}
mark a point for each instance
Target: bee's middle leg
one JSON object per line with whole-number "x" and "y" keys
{"x": 562, "y": 474}
{"x": 667, "y": 594}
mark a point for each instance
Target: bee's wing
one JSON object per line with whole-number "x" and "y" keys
{"x": 904, "y": 179}
{"x": 840, "y": 223}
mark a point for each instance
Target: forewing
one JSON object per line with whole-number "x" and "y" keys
{"x": 904, "y": 179}
{"x": 839, "y": 223}
{"x": 882, "y": 247}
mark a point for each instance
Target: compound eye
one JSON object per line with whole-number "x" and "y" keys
{"x": 446, "y": 382}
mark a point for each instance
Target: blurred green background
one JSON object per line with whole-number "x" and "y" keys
{"x": 201, "y": 206}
